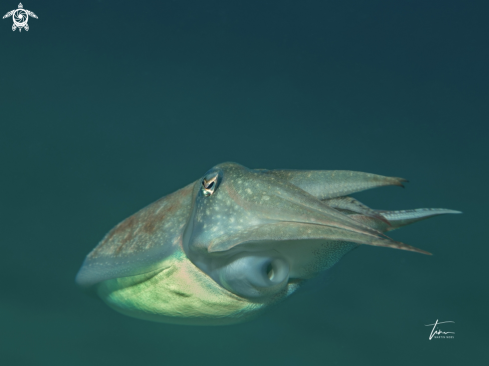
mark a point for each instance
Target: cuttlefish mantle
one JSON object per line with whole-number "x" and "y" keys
{"x": 237, "y": 240}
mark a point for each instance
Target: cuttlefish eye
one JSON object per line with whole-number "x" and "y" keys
{"x": 209, "y": 183}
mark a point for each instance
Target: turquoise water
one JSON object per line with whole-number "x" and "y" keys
{"x": 107, "y": 106}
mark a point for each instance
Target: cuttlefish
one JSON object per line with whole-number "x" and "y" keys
{"x": 236, "y": 241}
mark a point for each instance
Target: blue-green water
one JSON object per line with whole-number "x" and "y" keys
{"x": 106, "y": 106}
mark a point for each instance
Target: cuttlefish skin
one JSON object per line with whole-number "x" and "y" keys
{"x": 226, "y": 247}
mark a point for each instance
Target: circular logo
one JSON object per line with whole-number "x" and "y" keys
{"x": 20, "y": 18}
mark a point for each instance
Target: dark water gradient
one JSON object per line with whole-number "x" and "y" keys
{"x": 106, "y": 106}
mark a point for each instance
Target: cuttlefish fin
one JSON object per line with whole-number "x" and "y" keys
{"x": 324, "y": 184}
{"x": 350, "y": 205}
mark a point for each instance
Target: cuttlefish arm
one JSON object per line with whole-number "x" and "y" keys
{"x": 398, "y": 219}
{"x": 283, "y": 231}
{"x": 324, "y": 184}
{"x": 383, "y": 220}
{"x": 351, "y": 205}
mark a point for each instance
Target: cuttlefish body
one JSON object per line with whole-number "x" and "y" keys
{"x": 224, "y": 248}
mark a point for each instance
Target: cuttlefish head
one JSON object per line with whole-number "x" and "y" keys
{"x": 255, "y": 231}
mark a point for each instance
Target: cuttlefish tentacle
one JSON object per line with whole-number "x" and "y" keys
{"x": 325, "y": 184}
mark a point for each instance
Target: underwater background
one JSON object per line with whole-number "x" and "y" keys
{"x": 106, "y": 106}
